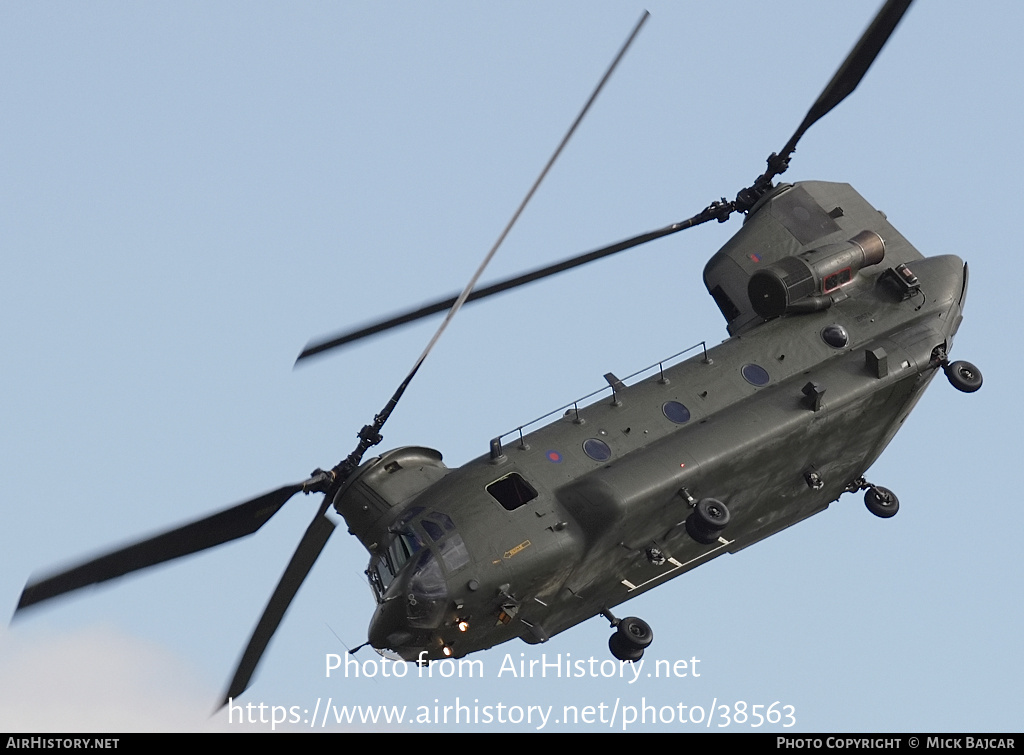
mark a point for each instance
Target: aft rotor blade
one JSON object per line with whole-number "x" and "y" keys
{"x": 342, "y": 339}
{"x": 230, "y": 524}
{"x": 305, "y": 556}
{"x": 853, "y": 68}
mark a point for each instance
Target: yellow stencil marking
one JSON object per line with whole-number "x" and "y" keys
{"x": 514, "y": 551}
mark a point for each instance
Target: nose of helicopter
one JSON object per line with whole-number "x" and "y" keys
{"x": 412, "y": 612}
{"x": 389, "y": 627}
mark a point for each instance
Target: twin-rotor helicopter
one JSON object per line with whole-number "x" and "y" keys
{"x": 837, "y": 325}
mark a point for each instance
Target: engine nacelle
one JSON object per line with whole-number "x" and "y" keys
{"x": 803, "y": 283}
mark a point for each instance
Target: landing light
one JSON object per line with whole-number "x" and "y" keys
{"x": 462, "y": 625}
{"x": 447, "y": 651}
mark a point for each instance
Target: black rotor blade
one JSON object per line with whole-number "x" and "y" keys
{"x": 230, "y": 524}
{"x": 305, "y": 556}
{"x": 453, "y": 304}
{"x": 333, "y": 342}
{"x": 853, "y": 68}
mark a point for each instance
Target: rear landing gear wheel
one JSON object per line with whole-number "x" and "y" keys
{"x": 636, "y": 631}
{"x": 963, "y": 376}
{"x": 632, "y": 636}
{"x": 622, "y": 650}
{"x": 881, "y": 502}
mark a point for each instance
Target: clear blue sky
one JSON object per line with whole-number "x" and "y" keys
{"x": 190, "y": 191}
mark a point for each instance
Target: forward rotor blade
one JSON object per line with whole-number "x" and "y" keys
{"x": 370, "y": 434}
{"x": 453, "y": 303}
{"x": 230, "y": 524}
{"x": 342, "y": 339}
{"x": 853, "y": 68}
{"x": 305, "y": 556}
{"x": 522, "y": 205}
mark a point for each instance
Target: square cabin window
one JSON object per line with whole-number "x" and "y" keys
{"x": 512, "y": 491}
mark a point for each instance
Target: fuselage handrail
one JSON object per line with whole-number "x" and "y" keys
{"x": 660, "y": 365}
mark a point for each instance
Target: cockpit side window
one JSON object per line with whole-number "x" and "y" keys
{"x": 402, "y": 548}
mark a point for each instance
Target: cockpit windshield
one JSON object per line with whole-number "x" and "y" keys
{"x": 448, "y": 542}
{"x": 443, "y": 540}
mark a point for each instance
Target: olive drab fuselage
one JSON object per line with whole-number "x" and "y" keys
{"x": 557, "y": 525}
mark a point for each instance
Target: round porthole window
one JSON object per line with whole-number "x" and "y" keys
{"x": 755, "y": 374}
{"x": 675, "y": 412}
{"x": 835, "y": 336}
{"x": 597, "y": 450}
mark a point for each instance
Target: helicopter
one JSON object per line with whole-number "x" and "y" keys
{"x": 583, "y": 496}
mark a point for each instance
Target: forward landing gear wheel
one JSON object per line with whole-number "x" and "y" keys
{"x": 632, "y": 636}
{"x": 963, "y": 376}
{"x": 709, "y": 517}
{"x": 881, "y": 502}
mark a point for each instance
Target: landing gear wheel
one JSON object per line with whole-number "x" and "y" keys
{"x": 632, "y": 636}
{"x": 622, "y": 650}
{"x": 636, "y": 631}
{"x": 881, "y": 502}
{"x": 963, "y": 376}
{"x": 709, "y": 517}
